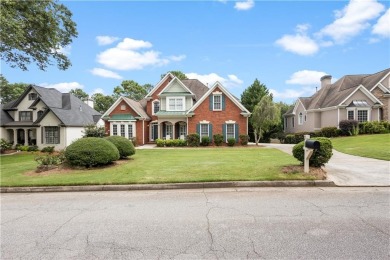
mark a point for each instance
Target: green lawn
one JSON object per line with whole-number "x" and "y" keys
{"x": 371, "y": 146}
{"x": 162, "y": 166}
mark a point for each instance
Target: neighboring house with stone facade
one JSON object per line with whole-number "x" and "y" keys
{"x": 175, "y": 108}
{"x": 364, "y": 97}
{"x": 45, "y": 117}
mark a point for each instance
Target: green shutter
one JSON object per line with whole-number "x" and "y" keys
{"x": 223, "y": 102}
{"x": 164, "y": 130}
{"x": 198, "y": 129}
{"x": 224, "y": 132}
{"x": 237, "y": 132}
{"x": 42, "y": 130}
{"x": 211, "y": 102}
{"x": 211, "y": 132}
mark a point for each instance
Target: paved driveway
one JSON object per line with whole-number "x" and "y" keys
{"x": 349, "y": 170}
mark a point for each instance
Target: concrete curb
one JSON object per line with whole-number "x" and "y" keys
{"x": 169, "y": 186}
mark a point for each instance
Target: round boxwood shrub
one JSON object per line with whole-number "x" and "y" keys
{"x": 124, "y": 146}
{"x": 90, "y": 152}
{"x": 319, "y": 157}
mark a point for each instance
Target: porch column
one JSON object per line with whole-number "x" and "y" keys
{"x": 158, "y": 131}
{"x": 15, "y": 136}
{"x": 25, "y": 137}
{"x": 173, "y": 130}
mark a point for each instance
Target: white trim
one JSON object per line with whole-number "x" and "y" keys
{"x": 379, "y": 82}
{"x": 116, "y": 103}
{"x": 159, "y": 84}
{"x": 217, "y": 93}
{"x": 226, "y": 132}
{"x": 126, "y": 124}
{"x": 154, "y": 101}
{"x": 200, "y": 130}
{"x": 366, "y": 92}
{"x": 383, "y": 88}
{"x": 296, "y": 106}
{"x": 180, "y": 83}
{"x": 353, "y": 110}
{"x": 227, "y": 93}
{"x": 300, "y": 118}
{"x": 230, "y": 122}
{"x": 204, "y": 122}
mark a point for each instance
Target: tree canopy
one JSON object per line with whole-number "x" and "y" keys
{"x": 10, "y": 91}
{"x": 266, "y": 115}
{"x": 130, "y": 89}
{"x": 35, "y": 31}
{"x": 102, "y": 102}
{"x": 177, "y": 73}
{"x": 253, "y": 94}
{"x": 78, "y": 92}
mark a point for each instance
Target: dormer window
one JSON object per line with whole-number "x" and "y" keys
{"x": 175, "y": 104}
{"x": 156, "y": 106}
{"x": 40, "y": 112}
{"x": 25, "y": 116}
{"x": 32, "y": 96}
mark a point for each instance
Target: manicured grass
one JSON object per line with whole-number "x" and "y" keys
{"x": 371, "y": 146}
{"x": 162, "y": 166}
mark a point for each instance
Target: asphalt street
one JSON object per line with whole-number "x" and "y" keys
{"x": 254, "y": 223}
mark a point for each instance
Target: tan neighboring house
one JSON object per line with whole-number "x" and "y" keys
{"x": 363, "y": 98}
{"x": 45, "y": 117}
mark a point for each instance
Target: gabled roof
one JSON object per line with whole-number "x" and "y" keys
{"x": 168, "y": 75}
{"x": 180, "y": 83}
{"x": 335, "y": 94}
{"x": 226, "y": 92}
{"x": 70, "y": 110}
{"x": 135, "y": 105}
{"x": 4, "y": 116}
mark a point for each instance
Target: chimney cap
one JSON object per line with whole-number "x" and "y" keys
{"x": 326, "y": 77}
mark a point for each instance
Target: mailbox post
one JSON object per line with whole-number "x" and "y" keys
{"x": 309, "y": 147}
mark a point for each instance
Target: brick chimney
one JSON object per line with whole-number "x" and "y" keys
{"x": 326, "y": 80}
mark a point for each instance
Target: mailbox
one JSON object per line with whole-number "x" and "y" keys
{"x": 312, "y": 144}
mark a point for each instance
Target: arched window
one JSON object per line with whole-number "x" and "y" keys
{"x": 300, "y": 119}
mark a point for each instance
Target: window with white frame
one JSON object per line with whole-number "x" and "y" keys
{"x": 351, "y": 115}
{"x": 362, "y": 116}
{"x": 123, "y": 130}
{"x": 204, "y": 130}
{"x": 129, "y": 131}
{"x": 217, "y": 102}
{"x": 156, "y": 106}
{"x": 300, "y": 118}
{"x": 175, "y": 104}
{"x": 114, "y": 129}
{"x": 182, "y": 130}
{"x": 123, "y": 107}
{"x": 230, "y": 131}
{"x": 52, "y": 135}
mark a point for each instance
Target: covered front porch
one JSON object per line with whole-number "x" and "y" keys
{"x": 22, "y": 136}
{"x": 168, "y": 129}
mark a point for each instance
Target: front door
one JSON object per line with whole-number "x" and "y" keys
{"x": 154, "y": 131}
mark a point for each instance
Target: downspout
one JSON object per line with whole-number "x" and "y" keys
{"x": 143, "y": 131}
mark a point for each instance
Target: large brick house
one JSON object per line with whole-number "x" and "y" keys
{"x": 364, "y": 97}
{"x": 175, "y": 108}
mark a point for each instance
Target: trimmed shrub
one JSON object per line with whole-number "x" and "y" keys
{"x": 193, "y": 140}
{"x": 91, "y": 152}
{"x": 171, "y": 143}
{"x": 231, "y": 141}
{"x": 205, "y": 141}
{"x": 48, "y": 149}
{"x": 218, "y": 139}
{"x": 160, "y": 142}
{"x": 346, "y": 126}
{"x": 93, "y": 131}
{"x": 23, "y": 148}
{"x": 33, "y": 148}
{"x": 319, "y": 157}
{"x": 289, "y": 139}
{"x": 329, "y": 131}
{"x": 244, "y": 139}
{"x": 4, "y": 145}
{"x": 372, "y": 127}
{"x": 124, "y": 145}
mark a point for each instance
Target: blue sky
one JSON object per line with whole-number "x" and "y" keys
{"x": 287, "y": 45}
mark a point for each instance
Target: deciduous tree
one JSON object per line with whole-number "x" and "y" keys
{"x": 130, "y": 89}
{"x": 35, "y": 31}
{"x": 177, "y": 73}
{"x": 78, "y": 92}
{"x": 102, "y": 102}
{"x": 266, "y": 115}
{"x": 8, "y": 91}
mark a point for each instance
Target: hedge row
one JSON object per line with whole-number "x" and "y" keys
{"x": 346, "y": 128}
{"x": 194, "y": 140}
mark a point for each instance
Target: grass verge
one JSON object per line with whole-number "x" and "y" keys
{"x": 161, "y": 166}
{"x": 371, "y": 146}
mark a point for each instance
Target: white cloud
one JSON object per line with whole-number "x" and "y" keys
{"x": 105, "y": 73}
{"x": 177, "y": 58}
{"x": 287, "y": 93}
{"x": 128, "y": 56}
{"x": 352, "y": 20}
{"x": 382, "y": 27}
{"x": 65, "y": 50}
{"x": 299, "y": 43}
{"x": 306, "y": 77}
{"x": 245, "y": 5}
{"x": 106, "y": 40}
{"x": 210, "y": 79}
{"x": 98, "y": 90}
{"x": 63, "y": 87}
{"x": 131, "y": 44}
